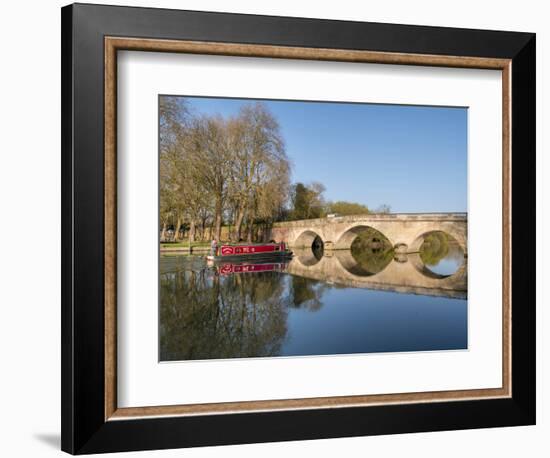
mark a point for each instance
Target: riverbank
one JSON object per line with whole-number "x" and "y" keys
{"x": 174, "y": 247}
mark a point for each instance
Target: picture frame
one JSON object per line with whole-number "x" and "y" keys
{"x": 92, "y": 35}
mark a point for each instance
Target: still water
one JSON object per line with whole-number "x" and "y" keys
{"x": 316, "y": 304}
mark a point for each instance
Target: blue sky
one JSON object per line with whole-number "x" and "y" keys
{"x": 413, "y": 158}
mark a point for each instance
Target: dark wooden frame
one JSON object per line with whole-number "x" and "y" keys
{"x": 91, "y": 35}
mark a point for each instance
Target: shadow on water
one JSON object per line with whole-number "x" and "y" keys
{"x": 311, "y": 256}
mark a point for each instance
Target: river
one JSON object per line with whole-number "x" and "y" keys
{"x": 316, "y": 304}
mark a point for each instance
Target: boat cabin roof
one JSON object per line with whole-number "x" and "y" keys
{"x": 251, "y": 243}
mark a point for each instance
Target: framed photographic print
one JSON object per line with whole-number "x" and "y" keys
{"x": 282, "y": 228}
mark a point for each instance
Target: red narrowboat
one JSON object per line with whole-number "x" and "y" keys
{"x": 253, "y": 251}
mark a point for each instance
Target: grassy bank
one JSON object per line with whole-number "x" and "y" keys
{"x": 185, "y": 244}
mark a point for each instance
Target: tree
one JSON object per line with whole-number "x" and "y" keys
{"x": 260, "y": 168}
{"x": 384, "y": 208}
{"x": 174, "y": 117}
{"x": 209, "y": 163}
{"x": 308, "y": 201}
{"x": 168, "y": 191}
{"x": 193, "y": 199}
{"x": 347, "y": 208}
{"x": 215, "y": 169}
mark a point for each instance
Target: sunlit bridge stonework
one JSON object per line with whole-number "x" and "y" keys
{"x": 404, "y": 231}
{"x": 407, "y": 273}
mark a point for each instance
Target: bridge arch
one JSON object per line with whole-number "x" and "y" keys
{"x": 405, "y": 232}
{"x": 419, "y": 238}
{"x": 346, "y": 239}
{"x": 432, "y": 255}
{"x": 306, "y": 239}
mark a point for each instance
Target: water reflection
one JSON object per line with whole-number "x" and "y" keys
{"x": 441, "y": 254}
{"x": 372, "y": 252}
{"x": 204, "y": 315}
{"x": 354, "y": 301}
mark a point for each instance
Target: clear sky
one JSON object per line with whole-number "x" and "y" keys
{"x": 413, "y": 158}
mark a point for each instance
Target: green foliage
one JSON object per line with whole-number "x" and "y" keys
{"x": 299, "y": 201}
{"x": 347, "y": 208}
{"x": 372, "y": 251}
{"x": 307, "y": 201}
{"x": 434, "y": 248}
{"x": 306, "y": 293}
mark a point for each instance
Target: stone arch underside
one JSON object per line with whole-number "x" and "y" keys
{"x": 456, "y": 231}
{"x": 345, "y": 240}
{"x": 306, "y": 239}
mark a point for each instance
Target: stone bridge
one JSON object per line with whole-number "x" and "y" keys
{"x": 405, "y": 231}
{"x": 405, "y": 274}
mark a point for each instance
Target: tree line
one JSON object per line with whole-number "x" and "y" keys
{"x": 307, "y": 201}
{"x": 230, "y": 171}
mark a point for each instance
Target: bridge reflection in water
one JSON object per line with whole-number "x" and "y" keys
{"x": 405, "y": 273}
{"x": 317, "y": 304}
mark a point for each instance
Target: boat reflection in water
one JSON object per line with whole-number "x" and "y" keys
{"x": 329, "y": 303}
{"x": 248, "y": 267}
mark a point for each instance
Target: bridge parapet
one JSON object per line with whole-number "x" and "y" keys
{"x": 382, "y": 217}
